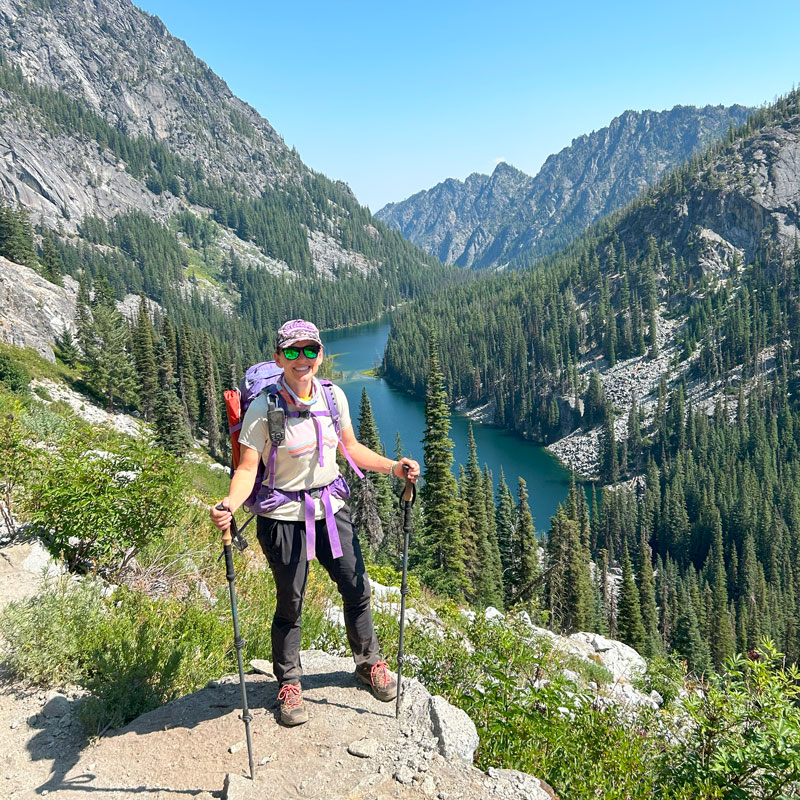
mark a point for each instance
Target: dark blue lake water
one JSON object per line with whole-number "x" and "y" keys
{"x": 361, "y": 347}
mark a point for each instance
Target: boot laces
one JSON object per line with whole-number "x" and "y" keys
{"x": 379, "y": 675}
{"x": 289, "y": 695}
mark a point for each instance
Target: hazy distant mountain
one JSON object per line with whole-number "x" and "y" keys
{"x": 490, "y": 220}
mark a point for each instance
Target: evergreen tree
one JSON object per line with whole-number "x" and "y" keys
{"x": 440, "y": 550}
{"x": 369, "y": 435}
{"x": 110, "y": 368}
{"x": 210, "y": 411}
{"x": 16, "y": 236}
{"x": 482, "y": 571}
{"x": 688, "y": 642}
{"x": 505, "y": 522}
{"x": 50, "y": 262}
{"x": 527, "y": 568}
{"x": 144, "y": 357}
{"x": 647, "y": 598}
{"x": 168, "y": 417}
{"x": 629, "y": 616}
{"x": 67, "y": 349}
{"x": 495, "y": 565}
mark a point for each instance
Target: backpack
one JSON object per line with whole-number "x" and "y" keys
{"x": 260, "y": 378}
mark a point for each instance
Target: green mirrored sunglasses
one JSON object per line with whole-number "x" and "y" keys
{"x": 310, "y": 351}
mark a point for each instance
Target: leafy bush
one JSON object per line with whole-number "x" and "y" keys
{"x": 133, "y": 653}
{"x": 48, "y": 636}
{"x": 13, "y": 374}
{"x": 101, "y": 497}
{"x": 150, "y": 652}
{"x": 15, "y": 455}
{"x": 42, "y": 424}
{"x": 665, "y": 675}
{"x": 744, "y": 740}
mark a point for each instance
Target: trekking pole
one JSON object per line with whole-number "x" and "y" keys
{"x": 407, "y": 498}
{"x": 238, "y": 642}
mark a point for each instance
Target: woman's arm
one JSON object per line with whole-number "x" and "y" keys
{"x": 242, "y": 484}
{"x": 375, "y": 462}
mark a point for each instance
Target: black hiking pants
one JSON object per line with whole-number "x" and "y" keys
{"x": 284, "y": 545}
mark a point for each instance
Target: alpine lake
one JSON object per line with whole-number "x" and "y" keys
{"x": 358, "y": 350}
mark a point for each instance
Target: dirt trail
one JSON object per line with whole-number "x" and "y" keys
{"x": 352, "y": 746}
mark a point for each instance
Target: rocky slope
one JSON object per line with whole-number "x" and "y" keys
{"x": 103, "y": 112}
{"x": 124, "y": 65}
{"x": 489, "y": 220}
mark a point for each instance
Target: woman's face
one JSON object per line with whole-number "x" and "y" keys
{"x": 299, "y": 372}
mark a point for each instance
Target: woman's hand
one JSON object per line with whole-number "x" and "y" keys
{"x": 220, "y": 516}
{"x": 406, "y": 468}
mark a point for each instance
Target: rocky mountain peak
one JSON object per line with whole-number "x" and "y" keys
{"x": 511, "y": 217}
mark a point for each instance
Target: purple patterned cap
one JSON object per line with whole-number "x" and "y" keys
{"x": 297, "y": 330}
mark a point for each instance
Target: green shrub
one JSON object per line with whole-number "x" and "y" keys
{"x": 42, "y": 424}
{"x": 665, "y": 674}
{"x": 133, "y": 653}
{"x": 101, "y": 497}
{"x": 48, "y": 636}
{"x": 744, "y": 740}
{"x": 13, "y": 374}
{"x": 150, "y": 652}
{"x": 15, "y": 456}
{"x": 389, "y": 576}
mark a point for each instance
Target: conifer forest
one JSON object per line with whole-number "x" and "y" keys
{"x": 699, "y": 507}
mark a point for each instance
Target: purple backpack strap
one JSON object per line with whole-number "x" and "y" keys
{"x": 330, "y": 401}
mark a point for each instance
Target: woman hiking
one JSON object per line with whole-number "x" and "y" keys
{"x": 302, "y": 513}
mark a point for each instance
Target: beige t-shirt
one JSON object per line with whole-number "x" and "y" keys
{"x": 297, "y": 462}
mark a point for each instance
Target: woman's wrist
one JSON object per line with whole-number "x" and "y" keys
{"x": 392, "y": 466}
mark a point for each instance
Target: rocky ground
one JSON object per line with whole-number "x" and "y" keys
{"x": 194, "y": 747}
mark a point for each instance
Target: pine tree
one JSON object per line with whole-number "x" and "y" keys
{"x": 505, "y": 521}
{"x": 369, "y": 435}
{"x": 647, "y": 598}
{"x": 481, "y": 571}
{"x": 440, "y": 550}
{"x": 528, "y": 571}
{"x": 210, "y": 411}
{"x": 50, "y": 262}
{"x": 67, "y": 349}
{"x": 110, "y": 368}
{"x": 168, "y": 417}
{"x": 495, "y": 565}
{"x": 568, "y": 586}
{"x": 16, "y": 237}
{"x": 687, "y": 641}
{"x": 187, "y": 381}
{"x": 145, "y": 360}
{"x": 629, "y": 616}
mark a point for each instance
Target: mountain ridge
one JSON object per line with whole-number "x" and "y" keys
{"x": 509, "y": 217}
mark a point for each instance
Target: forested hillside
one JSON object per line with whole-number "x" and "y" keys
{"x": 132, "y": 167}
{"x": 509, "y": 217}
{"x": 695, "y": 287}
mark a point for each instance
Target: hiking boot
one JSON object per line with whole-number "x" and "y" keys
{"x": 293, "y": 711}
{"x": 379, "y": 680}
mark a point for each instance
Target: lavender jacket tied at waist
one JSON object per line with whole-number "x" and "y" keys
{"x": 268, "y": 500}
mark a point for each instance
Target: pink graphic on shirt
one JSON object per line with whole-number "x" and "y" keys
{"x": 301, "y": 438}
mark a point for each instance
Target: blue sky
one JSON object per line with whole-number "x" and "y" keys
{"x": 394, "y": 97}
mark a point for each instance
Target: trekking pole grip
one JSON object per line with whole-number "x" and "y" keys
{"x": 409, "y": 491}
{"x": 227, "y": 536}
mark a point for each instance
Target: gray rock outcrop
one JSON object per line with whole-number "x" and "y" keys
{"x": 33, "y": 311}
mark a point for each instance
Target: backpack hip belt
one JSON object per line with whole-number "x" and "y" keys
{"x": 271, "y": 498}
